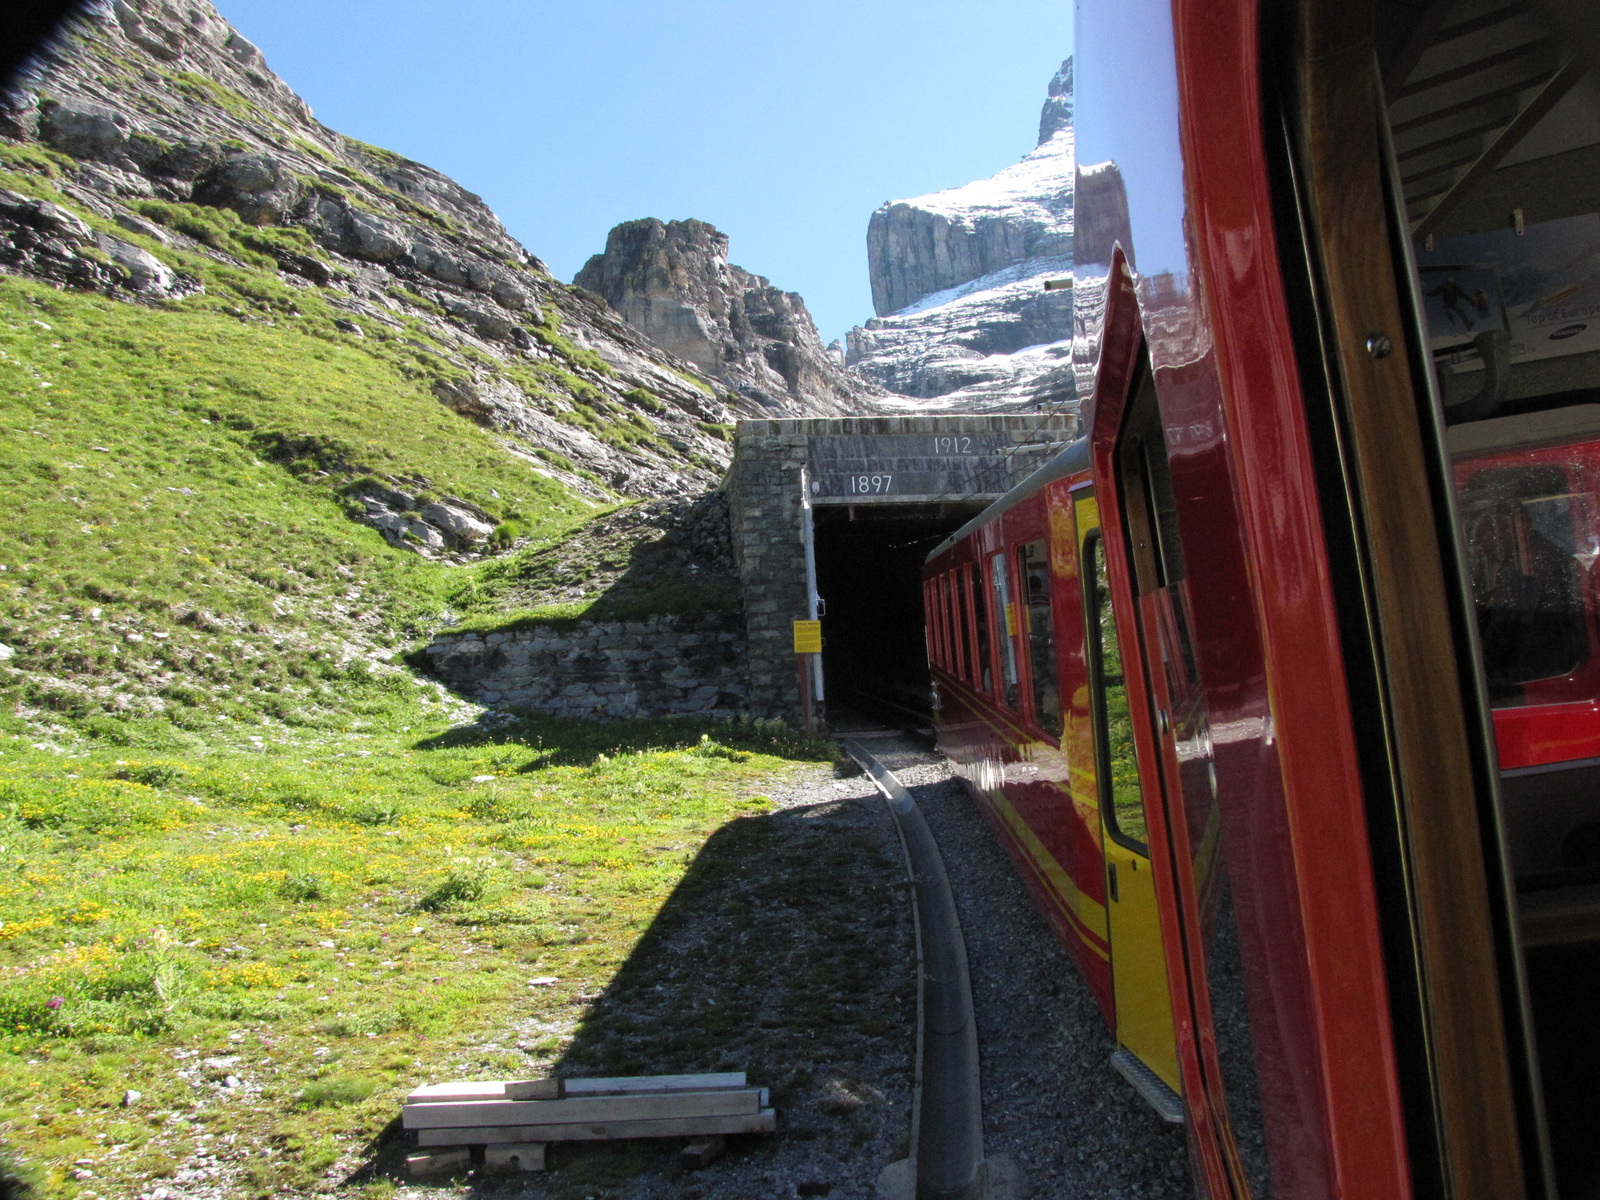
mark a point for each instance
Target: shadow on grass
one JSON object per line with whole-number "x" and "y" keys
{"x": 574, "y": 742}
{"x": 786, "y": 952}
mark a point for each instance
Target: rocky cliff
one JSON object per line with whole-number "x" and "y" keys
{"x": 153, "y": 135}
{"x": 673, "y": 283}
{"x": 1056, "y": 114}
{"x": 964, "y": 321}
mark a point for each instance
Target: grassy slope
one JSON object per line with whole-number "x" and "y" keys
{"x": 141, "y": 508}
{"x": 223, "y": 809}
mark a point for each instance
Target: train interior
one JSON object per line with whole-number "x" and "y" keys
{"x": 869, "y": 575}
{"x": 1494, "y": 112}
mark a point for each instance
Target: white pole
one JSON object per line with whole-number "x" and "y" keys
{"x": 813, "y": 602}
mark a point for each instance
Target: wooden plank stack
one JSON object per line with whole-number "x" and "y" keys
{"x": 514, "y": 1120}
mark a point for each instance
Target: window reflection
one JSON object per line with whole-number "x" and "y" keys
{"x": 1119, "y": 768}
{"x": 1033, "y": 568}
{"x": 1528, "y": 538}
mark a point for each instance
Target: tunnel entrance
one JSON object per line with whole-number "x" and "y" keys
{"x": 869, "y": 574}
{"x": 882, "y": 491}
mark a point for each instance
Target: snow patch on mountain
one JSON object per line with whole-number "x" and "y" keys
{"x": 1036, "y": 191}
{"x": 965, "y": 323}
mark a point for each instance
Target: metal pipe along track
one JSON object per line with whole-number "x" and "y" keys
{"x": 947, "y": 1137}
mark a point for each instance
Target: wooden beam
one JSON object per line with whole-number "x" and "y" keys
{"x": 523, "y": 1089}
{"x": 1478, "y": 24}
{"x": 1472, "y": 132}
{"x": 633, "y": 1084}
{"x": 557, "y": 1089}
{"x": 764, "y": 1121}
{"x": 468, "y": 1113}
{"x": 1476, "y": 67}
{"x": 515, "y": 1156}
{"x": 1510, "y": 92}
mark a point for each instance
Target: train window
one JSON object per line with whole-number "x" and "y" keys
{"x": 1000, "y": 579}
{"x": 963, "y": 628}
{"x": 1530, "y": 540}
{"x": 984, "y": 673}
{"x": 1121, "y": 798}
{"x": 941, "y": 625}
{"x": 1494, "y": 117}
{"x": 952, "y": 589}
{"x": 1157, "y": 478}
{"x": 1158, "y": 554}
{"x": 1033, "y": 569}
{"x": 941, "y": 588}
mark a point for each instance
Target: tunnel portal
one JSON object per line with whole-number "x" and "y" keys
{"x": 869, "y": 575}
{"x": 882, "y": 492}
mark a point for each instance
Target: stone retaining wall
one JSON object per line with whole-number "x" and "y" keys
{"x": 667, "y": 666}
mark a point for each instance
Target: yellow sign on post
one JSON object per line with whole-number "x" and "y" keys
{"x": 808, "y": 637}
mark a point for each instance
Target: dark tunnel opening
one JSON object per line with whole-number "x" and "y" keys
{"x": 869, "y": 575}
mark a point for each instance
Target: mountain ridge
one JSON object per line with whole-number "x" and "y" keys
{"x": 275, "y": 394}
{"x": 964, "y": 321}
{"x": 672, "y": 281}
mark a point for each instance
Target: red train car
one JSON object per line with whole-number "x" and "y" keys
{"x": 1283, "y": 685}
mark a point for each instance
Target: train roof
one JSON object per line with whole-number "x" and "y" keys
{"x": 1071, "y": 461}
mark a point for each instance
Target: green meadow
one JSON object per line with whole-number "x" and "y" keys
{"x": 271, "y": 944}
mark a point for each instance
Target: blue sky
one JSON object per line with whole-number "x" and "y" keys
{"x": 782, "y": 122}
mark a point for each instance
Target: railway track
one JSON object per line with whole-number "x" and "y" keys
{"x": 946, "y": 1161}
{"x": 858, "y": 708}
{"x": 1049, "y": 1107}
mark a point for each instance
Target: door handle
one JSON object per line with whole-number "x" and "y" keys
{"x": 1111, "y": 881}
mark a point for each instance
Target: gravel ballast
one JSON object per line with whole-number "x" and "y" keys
{"x": 1051, "y": 1100}
{"x": 789, "y": 952}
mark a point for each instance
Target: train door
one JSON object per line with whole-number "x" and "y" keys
{"x": 1167, "y": 699}
{"x": 1143, "y": 1004}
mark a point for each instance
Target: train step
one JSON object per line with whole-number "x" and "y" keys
{"x": 1167, "y": 1103}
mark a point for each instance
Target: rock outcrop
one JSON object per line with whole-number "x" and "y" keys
{"x": 964, "y": 322}
{"x": 151, "y": 130}
{"x": 673, "y": 283}
{"x": 1056, "y": 114}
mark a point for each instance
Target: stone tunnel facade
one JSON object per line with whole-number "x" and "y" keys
{"x": 923, "y": 461}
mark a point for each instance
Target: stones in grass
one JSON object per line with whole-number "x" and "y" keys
{"x": 439, "y": 1162}
{"x": 146, "y": 273}
{"x": 46, "y": 218}
{"x": 142, "y": 227}
{"x": 457, "y": 520}
{"x": 702, "y": 1152}
{"x": 430, "y": 527}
